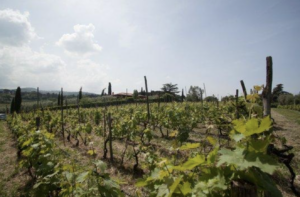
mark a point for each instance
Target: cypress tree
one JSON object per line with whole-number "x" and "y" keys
{"x": 18, "y": 100}
{"x": 109, "y": 88}
{"x": 103, "y": 92}
{"x": 58, "y": 99}
{"x": 182, "y": 96}
{"x": 80, "y": 94}
{"x": 12, "y": 106}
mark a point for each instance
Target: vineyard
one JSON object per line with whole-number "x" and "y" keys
{"x": 172, "y": 149}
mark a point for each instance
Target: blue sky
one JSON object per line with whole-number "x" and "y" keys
{"x": 73, "y": 43}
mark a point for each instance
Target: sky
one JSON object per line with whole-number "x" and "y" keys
{"x": 72, "y": 43}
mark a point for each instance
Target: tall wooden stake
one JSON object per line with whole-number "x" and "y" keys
{"x": 110, "y": 138}
{"x": 148, "y": 109}
{"x": 267, "y": 94}
{"x": 38, "y": 97}
{"x": 237, "y": 104}
{"x": 202, "y": 110}
{"x": 62, "y": 114}
{"x": 244, "y": 89}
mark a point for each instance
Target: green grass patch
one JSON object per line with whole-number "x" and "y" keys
{"x": 289, "y": 114}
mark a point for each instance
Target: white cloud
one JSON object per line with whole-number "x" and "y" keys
{"x": 16, "y": 30}
{"x": 21, "y": 66}
{"x": 81, "y": 42}
{"x": 88, "y": 74}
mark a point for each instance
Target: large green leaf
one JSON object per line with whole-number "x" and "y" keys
{"x": 210, "y": 183}
{"x": 100, "y": 165}
{"x": 82, "y": 177}
{"x": 174, "y": 186}
{"x": 191, "y": 163}
{"x": 189, "y": 146}
{"x": 262, "y": 180}
{"x": 185, "y": 188}
{"x": 243, "y": 160}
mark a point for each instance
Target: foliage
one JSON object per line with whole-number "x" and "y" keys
{"x": 168, "y": 97}
{"x": 228, "y": 98}
{"x": 170, "y": 88}
{"x": 198, "y": 176}
{"x": 80, "y": 94}
{"x": 109, "y": 88}
{"x": 103, "y": 92}
{"x": 284, "y": 99}
{"x": 206, "y": 167}
{"x": 18, "y": 100}
{"x": 277, "y": 92}
{"x": 211, "y": 99}
{"x": 135, "y": 94}
{"x": 194, "y": 94}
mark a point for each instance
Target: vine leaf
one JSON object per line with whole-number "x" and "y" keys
{"x": 191, "y": 163}
{"x": 185, "y": 188}
{"x": 189, "y": 146}
{"x": 100, "y": 165}
{"x": 252, "y": 126}
{"x": 174, "y": 186}
{"x": 82, "y": 177}
{"x": 211, "y": 140}
{"x": 243, "y": 160}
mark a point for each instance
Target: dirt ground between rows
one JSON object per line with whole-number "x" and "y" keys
{"x": 13, "y": 181}
{"x": 290, "y": 130}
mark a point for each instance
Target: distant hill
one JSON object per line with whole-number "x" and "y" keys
{"x": 66, "y": 93}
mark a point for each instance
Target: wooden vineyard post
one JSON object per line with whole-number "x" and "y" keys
{"x": 37, "y": 123}
{"x": 62, "y": 114}
{"x": 148, "y": 110}
{"x": 78, "y": 110}
{"x": 158, "y": 100}
{"x": 202, "y": 110}
{"x": 38, "y": 98}
{"x": 244, "y": 89}
{"x": 237, "y": 104}
{"x": 104, "y": 124}
{"x": 67, "y": 107}
{"x": 110, "y": 137}
{"x": 267, "y": 94}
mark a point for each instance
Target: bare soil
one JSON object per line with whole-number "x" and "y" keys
{"x": 290, "y": 130}
{"x": 13, "y": 181}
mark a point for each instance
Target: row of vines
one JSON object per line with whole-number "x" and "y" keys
{"x": 176, "y": 149}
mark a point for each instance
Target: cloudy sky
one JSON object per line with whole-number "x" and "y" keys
{"x": 73, "y": 43}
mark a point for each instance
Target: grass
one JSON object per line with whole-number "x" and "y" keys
{"x": 289, "y": 114}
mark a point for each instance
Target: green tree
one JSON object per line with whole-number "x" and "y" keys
{"x": 12, "y": 106}
{"x": 182, "y": 96}
{"x": 80, "y": 94}
{"x": 135, "y": 94}
{"x": 109, "y": 88}
{"x": 211, "y": 99}
{"x": 103, "y": 92}
{"x": 170, "y": 88}
{"x": 228, "y": 98}
{"x": 286, "y": 99}
{"x": 277, "y": 91}
{"x": 194, "y": 94}
{"x": 167, "y": 97}
{"x": 18, "y": 100}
